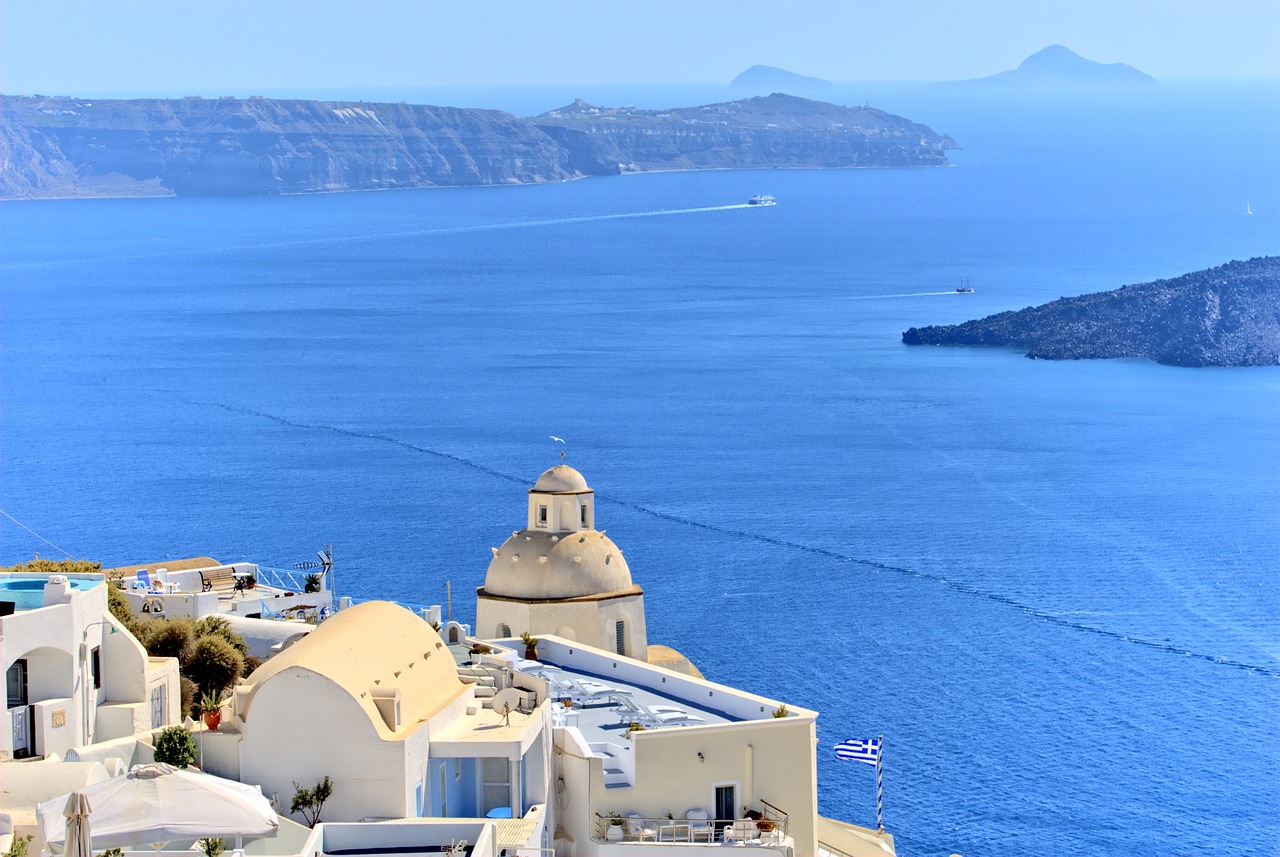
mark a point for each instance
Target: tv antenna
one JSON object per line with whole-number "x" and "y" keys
{"x": 506, "y": 701}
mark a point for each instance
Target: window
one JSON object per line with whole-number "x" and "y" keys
{"x": 453, "y": 633}
{"x": 159, "y": 702}
{"x": 542, "y": 515}
{"x": 504, "y": 631}
{"x": 582, "y": 513}
{"x": 95, "y": 666}
{"x": 496, "y": 787}
{"x": 15, "y": 684}
{"x": 620, "y": 632}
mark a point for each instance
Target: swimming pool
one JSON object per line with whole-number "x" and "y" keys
{"x": 27, "y": 593}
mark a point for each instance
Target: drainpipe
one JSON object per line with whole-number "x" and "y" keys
{"x": 749, "y": 772}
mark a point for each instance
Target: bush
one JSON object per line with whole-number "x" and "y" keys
{"x": 189, "y": 691}
{"x": 219, "y": 626}
{"x": 214, "y": 664}
{"x": 175, "y": 746}
{"x": 169, "y": 638}
{"x": 120, "y": 609}
{"x": 250, "y": 664}
{"x": 55, "y": 566}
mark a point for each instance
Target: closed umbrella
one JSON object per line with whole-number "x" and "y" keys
{"x": 78, "y": 842}
{"x": 158, "y": 803}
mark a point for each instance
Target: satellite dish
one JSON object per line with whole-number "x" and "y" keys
{"x": 505, "y": 702}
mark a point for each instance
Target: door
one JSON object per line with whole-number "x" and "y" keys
{"x": 726, "y": 806}
{"x": 15, "y": 685}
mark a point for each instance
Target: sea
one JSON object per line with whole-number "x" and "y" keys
{"x": 1052, "y": 587}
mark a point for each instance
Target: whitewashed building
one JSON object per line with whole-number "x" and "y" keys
{"x": 73, "y": 675}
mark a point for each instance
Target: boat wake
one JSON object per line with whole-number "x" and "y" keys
{"x": 380, "y": 236}
{"x": 960, "y": 586}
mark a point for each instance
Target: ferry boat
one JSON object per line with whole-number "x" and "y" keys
{"x": 762, "y": 199}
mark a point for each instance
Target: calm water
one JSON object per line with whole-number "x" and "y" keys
{"x": 1052, "y": 586}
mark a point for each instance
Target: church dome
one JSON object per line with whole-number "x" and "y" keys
{"x": 561, "y": 479}
{"x": 534, "y": 565}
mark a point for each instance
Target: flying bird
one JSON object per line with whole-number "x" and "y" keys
{"x": 558, "y": 439}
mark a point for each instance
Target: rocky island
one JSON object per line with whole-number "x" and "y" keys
{"x": 1225, "y": 316}
{"x": 64, "y": 147}
{"x": 765, "y": 78}
{"x": 1056, "y": 67}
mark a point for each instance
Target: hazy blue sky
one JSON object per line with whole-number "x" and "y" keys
{"x": 70, "y": 46}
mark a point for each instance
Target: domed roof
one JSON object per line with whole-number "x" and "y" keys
{"x": 534, "y": 565}
{"x": 561, "y": 479}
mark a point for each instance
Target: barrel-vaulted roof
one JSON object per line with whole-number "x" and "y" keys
{"x": 371, "y": 649}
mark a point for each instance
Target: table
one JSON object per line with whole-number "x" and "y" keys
{"x": 673, "y": 832}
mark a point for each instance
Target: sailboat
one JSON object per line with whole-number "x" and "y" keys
{"x": 964, "y": 287}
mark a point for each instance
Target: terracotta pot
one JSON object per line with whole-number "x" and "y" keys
{"x": 530, "y": 653}
{"x": 212, "y": 719}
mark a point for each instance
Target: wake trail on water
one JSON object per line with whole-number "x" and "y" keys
{"x": 378, "y": 236}
{"x": 955, "y": 585}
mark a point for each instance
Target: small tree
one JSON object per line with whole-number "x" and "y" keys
{"x": 175, "y": 746}
{"x": 214, "y": 664}
{"x": 169, "y": 638}
{"x": 212, "y": 846}
{"x": 309, "y": 802}
{"x": 19, "y": 847}
{"x": 220, "y": 626}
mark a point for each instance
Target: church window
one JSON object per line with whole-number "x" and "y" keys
{"x": 582, "y": 512}
{"x": 542, "y": 515}
{"x": 620, "y": 631}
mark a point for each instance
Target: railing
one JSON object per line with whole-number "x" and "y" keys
{"x": 283, "y": 579}
{"x": 667, "y": 829}
{"x": 777, "y": 816}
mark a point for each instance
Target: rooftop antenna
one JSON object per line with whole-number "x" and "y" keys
{"x": 563, "y": 446}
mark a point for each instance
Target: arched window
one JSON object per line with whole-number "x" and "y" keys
{"x": 453, "y": 634}
{"x": 620, "y": 631}
{"x": 504, "y": 631}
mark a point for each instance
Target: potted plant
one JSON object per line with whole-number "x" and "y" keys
{"x": 251, "y": 581}
{"x": 211, "y": 709}
{"x": 530, "y": 646}
{"x": 632, "y": 728}
{"x": 311, "y": 583}
{"x": 614, "y": 833}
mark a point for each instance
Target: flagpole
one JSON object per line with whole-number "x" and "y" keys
{"x": 880, "y": 787}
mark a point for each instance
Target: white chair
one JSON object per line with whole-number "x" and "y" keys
{"x": 700, "y": 827}
{"x": 636, "y": 829}
{"x": 742, "y": 830}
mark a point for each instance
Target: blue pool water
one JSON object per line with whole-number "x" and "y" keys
{"x": 1052, "y": 587}
{"x": 27, "y": 593}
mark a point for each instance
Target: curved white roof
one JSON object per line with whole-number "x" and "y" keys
{"x": 561, "y": 479}
{"x": 534, "y": 565}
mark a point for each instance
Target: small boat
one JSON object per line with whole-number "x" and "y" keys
{"x": 762, "y": 199}
{"x": 963, "y": 288}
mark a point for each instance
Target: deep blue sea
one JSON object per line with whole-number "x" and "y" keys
{"x": 1052, "y": 587}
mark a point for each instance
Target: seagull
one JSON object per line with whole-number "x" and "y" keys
{"x": 558, "y": 439}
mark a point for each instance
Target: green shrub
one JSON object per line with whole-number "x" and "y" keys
{"x": 175, "y": 746}
{"x": 214, "y": 664}
{"x": 19, "y": 847}
{"x": 219, "y": 626}
{"x": 169, "y": 638}
{"x": 250, "y": 664}
{"x": 120, "y": 609}
{"x": 189, "y": 691}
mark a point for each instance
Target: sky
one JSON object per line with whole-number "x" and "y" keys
{"x": 141, "y": 47}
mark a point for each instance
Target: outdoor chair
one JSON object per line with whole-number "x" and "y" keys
{"x": 742, "y": 830}
{"x": 145, "y": 577}
{"x": 700, "y": 827}
{"x": 636, "y": 829}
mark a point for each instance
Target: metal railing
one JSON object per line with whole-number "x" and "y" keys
{"x": 668, "y": 829}
{"x": 284, "y": 579}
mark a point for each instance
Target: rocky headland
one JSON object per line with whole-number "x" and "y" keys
{"x": 64, "y": 147}
{"x": 1225, "y": 316}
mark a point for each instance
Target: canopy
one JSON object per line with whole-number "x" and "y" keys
{"x": 157, "y": 803}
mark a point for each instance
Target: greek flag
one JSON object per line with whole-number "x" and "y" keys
{"x": 865, "y": 750}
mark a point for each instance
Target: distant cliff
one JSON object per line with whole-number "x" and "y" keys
{"x": 774, "y": 131}
{"x": 59, "y": 147}
{"x": 1225, "y": 316}
{"x": 762, "y": 79}
{"x": 1057, "y": 67}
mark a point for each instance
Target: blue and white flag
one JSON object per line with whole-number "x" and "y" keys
{"x": 862, "y": 750}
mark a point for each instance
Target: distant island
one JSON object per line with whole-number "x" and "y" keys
{"x": 65, "y": 147}
{"x": 1224, "y": 316}
{"x": 763, "y": 79}
{"x": 1057, "y": 67}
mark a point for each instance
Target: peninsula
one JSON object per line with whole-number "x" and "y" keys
{"x": 65, "y": 147}
{"x": 1224, "y": 316}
